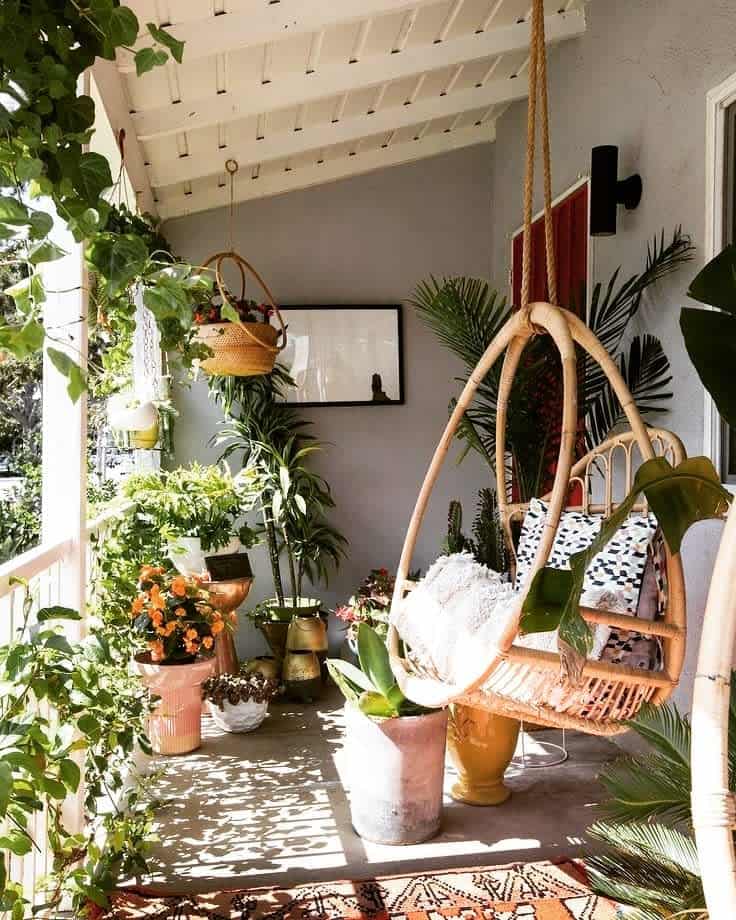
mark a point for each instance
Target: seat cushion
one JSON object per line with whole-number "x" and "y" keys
{"x": 618, "y": 568}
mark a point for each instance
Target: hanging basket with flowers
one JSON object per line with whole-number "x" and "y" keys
{"x": 238, "y": 330}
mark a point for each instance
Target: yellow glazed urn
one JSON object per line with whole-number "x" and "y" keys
{"x": 481, "y": 746}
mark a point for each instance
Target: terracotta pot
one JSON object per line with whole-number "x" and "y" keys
{"x": 266, "y": 665}
{"x": 227, "y": 596}
{"x": 302, "y": 675}
{"x": 175, "y": 726}
{"x": 238, "y": 717}
{"x": 396, "y": 769}
{"x": 307, "y": 634}
{"x": 481, "y": 746}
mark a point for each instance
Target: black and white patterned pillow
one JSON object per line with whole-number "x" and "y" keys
{"x": 619, "y": 568}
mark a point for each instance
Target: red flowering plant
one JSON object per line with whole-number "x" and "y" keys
{"x": 370, "y": 604}
{"x": 229, "y": 309}
{"x": 174, "y": 617}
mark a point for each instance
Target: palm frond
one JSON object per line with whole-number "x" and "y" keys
{"x": 464, "y": 313}
{"x": 666, "y": 730}
{"x": 611, "y": 312}
{"x": 650, "y": 866}
{"x": 646, "y": 786}
{"x": 646, "y": 370}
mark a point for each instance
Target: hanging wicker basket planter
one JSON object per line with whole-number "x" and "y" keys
{"x": 241, "y": 349}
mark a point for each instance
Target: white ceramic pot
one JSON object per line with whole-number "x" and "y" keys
{"x": 238, "y": 717}
{"x": 396, "y": 769}
{"x": 126, "y": 413}
{"x": 187, "y": 555}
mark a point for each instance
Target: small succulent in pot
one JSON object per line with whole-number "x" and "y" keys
{"x": 239, "y": 702}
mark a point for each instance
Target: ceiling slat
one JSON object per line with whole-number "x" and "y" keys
{"x": 277, "y": 183}
{"x": 258, "y": 22}
{"x": 348, "y": 130}
{"x": 294, "y": 89}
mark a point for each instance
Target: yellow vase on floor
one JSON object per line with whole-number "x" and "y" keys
{"x": 481, "y": 746}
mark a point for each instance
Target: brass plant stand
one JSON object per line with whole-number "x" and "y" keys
{"x": 227, "y": 596}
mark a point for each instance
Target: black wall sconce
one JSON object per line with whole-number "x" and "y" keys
{"x": 607, "y": 191}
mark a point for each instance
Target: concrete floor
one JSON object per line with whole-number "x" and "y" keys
{"x": 270, "y": 808}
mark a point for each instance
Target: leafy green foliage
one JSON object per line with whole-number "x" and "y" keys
{"x": 45, "y": 125}
{"x": 466, "y": 315}
{"x": 678, "y": 497}
{"x": 294, "y": 500}
{"x": 487, "y": 545}
{"x": 649, "y": 860}
{"x": 372, "y": 687}
{"x": 710, "y": 335}
{"x": 74, "y": 714}
{"x": 196, "y": 501}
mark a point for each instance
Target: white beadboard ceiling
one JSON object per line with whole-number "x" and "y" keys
{"x": 301, "y": 92}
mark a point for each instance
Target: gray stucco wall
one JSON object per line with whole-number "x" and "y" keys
{"x": 638, "y": 78}
{"x": 365, "y": 240}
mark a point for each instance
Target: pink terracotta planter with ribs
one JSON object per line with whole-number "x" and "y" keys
{"x": 175, "y": 726}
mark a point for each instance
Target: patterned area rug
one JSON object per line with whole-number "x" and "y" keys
{"x": 532, "y": 891}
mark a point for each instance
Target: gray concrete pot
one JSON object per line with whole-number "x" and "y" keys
{"x": 396, "y": 769}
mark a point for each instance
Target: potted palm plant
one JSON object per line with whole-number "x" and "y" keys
{"x": 173, "y": 617}
{"x": 293, "y": 500}
{"x": 398, "y": 800}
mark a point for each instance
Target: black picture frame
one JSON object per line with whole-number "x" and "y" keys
{"x": 397, "y": 309}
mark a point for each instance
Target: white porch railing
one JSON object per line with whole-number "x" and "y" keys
{"x": 40, "y": 575}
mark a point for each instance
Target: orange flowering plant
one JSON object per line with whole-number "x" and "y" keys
{"x": 174, "y": 616}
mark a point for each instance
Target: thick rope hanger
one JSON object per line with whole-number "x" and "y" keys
{"x": 537, "y": 87}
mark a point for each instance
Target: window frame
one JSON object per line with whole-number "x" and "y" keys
{"x": 719, "y": 101}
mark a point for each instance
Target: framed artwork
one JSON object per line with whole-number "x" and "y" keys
{"x": 344, "y": 355}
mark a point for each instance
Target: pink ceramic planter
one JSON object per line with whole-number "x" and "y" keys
{"x": 175, "y": 726}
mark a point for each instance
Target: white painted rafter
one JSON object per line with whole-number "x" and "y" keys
{"x": 329, "y": 171}
{"x": 294, "y": 89}
{"x": 294, "y": 143}
{"x": 259, "y": 22}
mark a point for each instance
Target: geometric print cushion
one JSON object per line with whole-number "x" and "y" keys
{"x": 618, "y": 568}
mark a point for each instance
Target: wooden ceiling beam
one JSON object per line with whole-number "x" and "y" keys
{"x": 293, "y": 143}
{"x": 247, "y": 188}
{"x": 299, "y": 88}
{"x": 258, "y": 22}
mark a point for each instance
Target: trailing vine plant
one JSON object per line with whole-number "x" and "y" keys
{"x": 45, "y": 125}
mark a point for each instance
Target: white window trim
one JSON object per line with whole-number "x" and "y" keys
{"x": 717, "y": 102}
{"x": 580, "y": 181}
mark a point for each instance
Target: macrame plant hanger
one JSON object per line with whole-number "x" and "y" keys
{"x": 558, "y": 690}
{"x": 240, "y": 349}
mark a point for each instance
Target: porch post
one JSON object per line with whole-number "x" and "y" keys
{"x": 64, "y": 428}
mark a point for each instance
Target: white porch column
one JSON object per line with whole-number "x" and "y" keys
{"x": 64, "y": 451}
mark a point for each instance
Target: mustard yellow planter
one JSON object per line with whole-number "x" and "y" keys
{"x": 481, "y": 746}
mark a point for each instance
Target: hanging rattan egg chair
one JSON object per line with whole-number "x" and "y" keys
{"x": 516, "y": 681}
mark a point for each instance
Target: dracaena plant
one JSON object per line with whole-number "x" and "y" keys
{"x": 371, "y": 686}
{"x": 45, "y": 127}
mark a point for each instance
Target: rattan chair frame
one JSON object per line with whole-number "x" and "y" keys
{"x": 521, "y": 682}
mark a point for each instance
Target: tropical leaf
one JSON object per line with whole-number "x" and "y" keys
{"x": 651, "y": 866}
{"x": 645, "y": 787}
{"x": 646, "y": 370}
{"x": 666, "y": 731}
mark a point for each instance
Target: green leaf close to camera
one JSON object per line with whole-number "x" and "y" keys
{"x": 57, "y": 613}
{"x": 376, "y": 705}
{"x": 716, "y": 283}
{"x": 710, "y": 339}
{"x": 147, "y": 59}
{"x": 76, "y": 382}
{"x": 13, "y": 213}
{"x": 166, "y": 39}
{"x": 228, "y": 311}
{"x": 94, "y": 176}
{"x": 45, "y": 251}
{"x": 374, "y": 660}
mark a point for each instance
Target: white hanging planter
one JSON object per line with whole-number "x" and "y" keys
{"x": 126, "y": 413}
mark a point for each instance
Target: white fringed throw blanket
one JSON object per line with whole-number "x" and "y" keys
{"x": 454, "y": 617}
